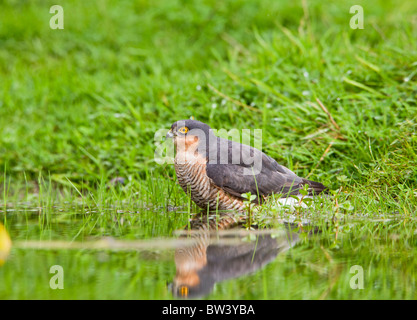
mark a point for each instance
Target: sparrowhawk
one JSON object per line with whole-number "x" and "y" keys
{"x": 216, "y": 171}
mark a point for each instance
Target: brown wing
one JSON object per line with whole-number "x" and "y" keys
{"x": 233, "y": 177}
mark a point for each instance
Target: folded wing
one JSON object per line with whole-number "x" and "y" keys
{"x": 246, "y": 169}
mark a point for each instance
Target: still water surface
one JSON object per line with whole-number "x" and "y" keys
{"x": 109, "y": 254}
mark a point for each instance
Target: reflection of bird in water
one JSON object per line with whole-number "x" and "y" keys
{"x": 204, "y": 263}
{"x": 216, "y": 172}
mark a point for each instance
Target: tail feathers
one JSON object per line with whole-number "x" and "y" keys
{"x": 315, "y": 187}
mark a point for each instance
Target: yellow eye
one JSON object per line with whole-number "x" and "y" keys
{"x": 184, "y": 291}
{"x": 183, "y": 130}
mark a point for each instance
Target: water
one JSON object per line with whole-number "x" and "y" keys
{"x": 111, "y": 253}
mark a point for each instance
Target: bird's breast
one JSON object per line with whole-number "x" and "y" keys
{"x": 192, "y": 177}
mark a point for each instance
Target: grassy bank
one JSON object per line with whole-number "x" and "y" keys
{"x": 80, "y": 106}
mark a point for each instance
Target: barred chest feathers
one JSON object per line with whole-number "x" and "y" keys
{"x": 193, "y": 179}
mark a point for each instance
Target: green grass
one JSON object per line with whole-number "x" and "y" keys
{"x": 84, "y": 103}
{"x": 80, "y": 106}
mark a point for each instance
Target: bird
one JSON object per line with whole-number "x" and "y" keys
{"x": 208, "y": 257}
{"x": 217, "y": 173}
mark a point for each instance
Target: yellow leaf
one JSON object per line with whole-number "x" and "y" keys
{"x": 5, "y": 244}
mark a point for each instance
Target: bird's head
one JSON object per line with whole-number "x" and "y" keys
{"x": 186, "y": 133}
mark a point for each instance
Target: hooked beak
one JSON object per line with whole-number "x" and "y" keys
{"x": 170, "y": 134}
